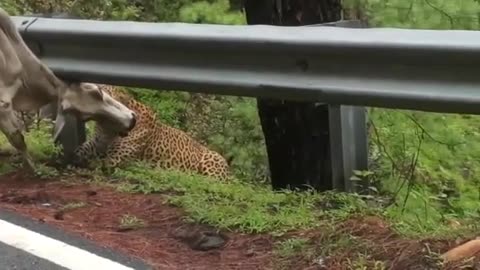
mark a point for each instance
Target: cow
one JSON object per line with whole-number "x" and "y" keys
{"x": 27, "y": 84}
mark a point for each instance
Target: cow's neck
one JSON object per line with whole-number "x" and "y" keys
{"x": 40, "y": 87}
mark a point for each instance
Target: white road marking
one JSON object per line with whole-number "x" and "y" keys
{"x": 53, "y": 250}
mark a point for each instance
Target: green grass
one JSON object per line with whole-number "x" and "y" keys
{"x": 237, "y": 205}
{"x": 39, "y": 141}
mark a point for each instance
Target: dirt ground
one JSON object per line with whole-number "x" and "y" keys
{"x": 97, "y": 217}
{"x": 166, "y": 241}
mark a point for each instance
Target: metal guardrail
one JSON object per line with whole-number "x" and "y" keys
{"x": 428, "y": 70}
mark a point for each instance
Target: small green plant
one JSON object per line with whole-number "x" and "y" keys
{"x": 333, "y": 242}
{"x": 40, "y": 142}
{"x": 72, "y": 206}
{"x": 365, "y": 181}
{"x": 291, "y": 247}
{"x": 128, "y": 221}
{"x": 43, "y": 171}
{"x": 363, "y": 262}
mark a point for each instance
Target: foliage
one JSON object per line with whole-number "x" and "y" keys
{"x": 426, "y": 14}
{"x": 427, "y": 161}
{"x": 198, "y": 11}
{"x": 169, "y": 105}
{"x": 211, "y": 12}
{"x": 11, "y": 7}
{"x": 444, "y": 184}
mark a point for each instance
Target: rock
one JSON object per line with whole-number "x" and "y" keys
{"x": 201, "y": 240}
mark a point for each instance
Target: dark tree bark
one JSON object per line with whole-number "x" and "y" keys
{"x": 296, "y": 133}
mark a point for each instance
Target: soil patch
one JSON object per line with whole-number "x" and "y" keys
{"x": 143, "y": 226}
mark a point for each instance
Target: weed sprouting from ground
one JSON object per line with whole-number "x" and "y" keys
{"x": 363, "y": 262}
{"x": 43, "y": 171}
{"x": 291, "y": 246}
{"x": 131, "y": 222}
{"x": 72, "y": 206}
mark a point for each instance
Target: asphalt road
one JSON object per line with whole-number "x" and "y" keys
{"x": 16, "y": 259}
{"x": 21, "y": 238}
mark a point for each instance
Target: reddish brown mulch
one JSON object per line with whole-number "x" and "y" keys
{"x": 157, "y": 242}
{"x": 377, "y": 239}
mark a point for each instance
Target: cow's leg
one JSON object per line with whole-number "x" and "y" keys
{"x": 12, "y": 128}
{"x": 18, "y": 141}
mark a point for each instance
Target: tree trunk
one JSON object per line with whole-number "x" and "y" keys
{"x": 296, "y": 133}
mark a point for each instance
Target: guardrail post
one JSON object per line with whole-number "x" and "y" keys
{"x": 309, "y": 144}
{"x": 72, "y": 136}
{"x": 348, "y": 144}
{"x": 348, "y": 134}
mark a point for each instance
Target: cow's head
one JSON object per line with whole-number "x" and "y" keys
{"x": 88, "y": 102}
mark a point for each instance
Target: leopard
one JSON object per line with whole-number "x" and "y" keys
{"x": 151, "y": 141}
